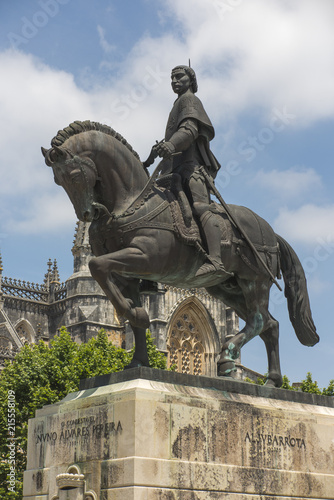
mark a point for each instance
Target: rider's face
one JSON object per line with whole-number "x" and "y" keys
{"x": 180, "y": 81}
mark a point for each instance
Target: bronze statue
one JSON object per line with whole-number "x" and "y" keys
{"x": 143, "y": 229}
{"x": 185, "y": 150}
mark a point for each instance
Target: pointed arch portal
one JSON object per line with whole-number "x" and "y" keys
{"x": 25, "y": 331}
{"x": 192, "y": 339}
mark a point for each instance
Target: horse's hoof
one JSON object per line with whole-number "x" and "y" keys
{"x": 269, "y": 383}
{"x": 225, "y": 368}
{"x": 135, "y": 363}
{"x": 274, "y": 380}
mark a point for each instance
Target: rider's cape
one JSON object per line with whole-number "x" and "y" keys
{"x": 189, "y": 106}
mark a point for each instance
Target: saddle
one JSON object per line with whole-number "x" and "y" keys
{"x": 185, "y": 225}
{"x": 188, "y": 230}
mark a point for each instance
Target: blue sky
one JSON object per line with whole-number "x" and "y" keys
{"x": 266, "y": 78}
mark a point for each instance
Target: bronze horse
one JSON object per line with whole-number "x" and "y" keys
{"x": 141, "y": 228}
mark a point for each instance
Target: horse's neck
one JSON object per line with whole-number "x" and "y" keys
{"x": 122, "y": 179}
{"x": 122, "y": 176}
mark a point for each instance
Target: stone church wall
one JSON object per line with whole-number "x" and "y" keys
{"x": 188, "y": 325}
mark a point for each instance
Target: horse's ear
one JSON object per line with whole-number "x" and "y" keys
{"x": 46, "y": 154}
{"x": 44, "y": 151}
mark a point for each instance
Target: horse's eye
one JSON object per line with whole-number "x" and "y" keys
{"x": 75, "y": 176}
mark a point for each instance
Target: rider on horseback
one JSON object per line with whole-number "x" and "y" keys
{"x": 184, "y": 151}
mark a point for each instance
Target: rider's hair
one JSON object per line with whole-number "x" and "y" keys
{"x": 192, "y": 75}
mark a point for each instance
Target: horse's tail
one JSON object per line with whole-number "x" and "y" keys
{"x": 296, "y": 293}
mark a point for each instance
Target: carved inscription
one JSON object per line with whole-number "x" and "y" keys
{"x": 81, "y": 428}
{"x": 276, "y": 440}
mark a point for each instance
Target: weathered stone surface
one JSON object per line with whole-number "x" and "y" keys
{"x": 143, "y": 438}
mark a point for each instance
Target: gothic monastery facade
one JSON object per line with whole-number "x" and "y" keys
{"x": 189, "y": 326}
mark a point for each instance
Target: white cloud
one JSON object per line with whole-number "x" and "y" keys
{"x": 289, "y": 184}
{"x": 34, "y": 102}
{"x": 45, "y": 213}
{"x": 106, "y": 46}
{"x": 308, "y": 224}
{"x": 259, "y": 53}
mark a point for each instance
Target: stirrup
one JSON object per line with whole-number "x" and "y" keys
{"x": 212, "y": 267}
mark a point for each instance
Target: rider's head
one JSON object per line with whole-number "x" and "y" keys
{"x": 191, "y": 74}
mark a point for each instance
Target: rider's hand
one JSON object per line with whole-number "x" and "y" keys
{"x": 165, "y": 149}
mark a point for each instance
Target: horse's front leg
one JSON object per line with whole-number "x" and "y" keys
{"x": 123, "y": 292}
{"x": 131, "y": 292}
{"x": 107, "y": 271}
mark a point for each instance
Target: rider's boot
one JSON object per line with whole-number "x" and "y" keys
{"x": 211, "y": 228}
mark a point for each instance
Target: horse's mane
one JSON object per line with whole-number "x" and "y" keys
{"x": 77, "y": 127}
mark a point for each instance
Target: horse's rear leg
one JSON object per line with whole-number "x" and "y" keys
{"x": 252, "y": 307}
{"x": 270, "y": 337}
{"x": 231, "y": 349}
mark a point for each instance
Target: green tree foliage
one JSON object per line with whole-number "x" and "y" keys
{"x": 43, "y": 374}
{"x": 286, "y": 384}
{"x": 309, "y": 386}
{"x": 329, "y": 391}
{"x": 157, "y": 359}
{"x": 306, "y": 385}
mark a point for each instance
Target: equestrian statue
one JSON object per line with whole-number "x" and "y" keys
{"x": 166, "y": 228}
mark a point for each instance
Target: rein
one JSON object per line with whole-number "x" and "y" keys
{"x": 89, "y": 163}
{"x": 139, "y": 201}
{"x": 80, "y": 161}
{"x": 134, "y": 205}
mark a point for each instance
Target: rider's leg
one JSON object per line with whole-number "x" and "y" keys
{"x": 212, "y": 232}
{"x": 209, "y": 224}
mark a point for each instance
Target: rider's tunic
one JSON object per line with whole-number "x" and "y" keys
{"x": 188, "y": 109}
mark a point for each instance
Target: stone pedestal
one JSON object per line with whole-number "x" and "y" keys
{"x": 146, "y": 434}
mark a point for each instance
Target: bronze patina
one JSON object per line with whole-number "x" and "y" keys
{"x": 167, "y": 229}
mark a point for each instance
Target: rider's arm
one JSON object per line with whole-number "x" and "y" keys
{"x": 185, "y": 135}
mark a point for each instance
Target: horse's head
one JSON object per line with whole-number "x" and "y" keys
{"x": 97, "y": 167}
{"x": 77, "y": 174}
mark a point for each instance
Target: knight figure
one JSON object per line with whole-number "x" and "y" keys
{"x": 185, "y": 150}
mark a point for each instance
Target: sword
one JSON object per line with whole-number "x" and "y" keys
{"x": 232, "y": 219}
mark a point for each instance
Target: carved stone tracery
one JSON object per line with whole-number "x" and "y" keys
{"x": 25, "y": 332}
{"x": 189, "y": 345}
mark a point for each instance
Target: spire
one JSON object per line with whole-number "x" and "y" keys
{"x": 55, "y": 273}
{"x": 81, "y": 247}
{"x": 48, "y": 275}
{"x": 81, "y": 236}
{"x": 76, "y": 231}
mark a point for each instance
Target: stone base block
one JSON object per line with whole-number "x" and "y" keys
{"x": 151, "y": 435}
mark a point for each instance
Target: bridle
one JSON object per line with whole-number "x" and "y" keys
{"x": 113, "y": 217}
{"x": 80, "y": 163}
